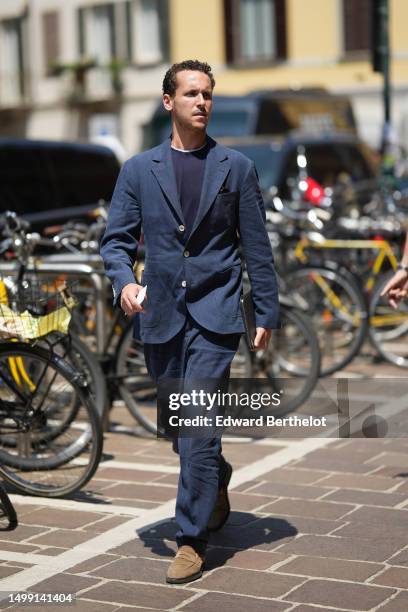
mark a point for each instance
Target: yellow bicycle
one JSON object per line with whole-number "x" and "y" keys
{"x": 386, "y": 328}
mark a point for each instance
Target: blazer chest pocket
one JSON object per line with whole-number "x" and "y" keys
{"x": 227, "y": 196}
{"x": 225, "y": 206}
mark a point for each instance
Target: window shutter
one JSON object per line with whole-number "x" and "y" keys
{"x": 51, "y": 40}
{"x": 230, "y": 31}
{"x": 164, "y": 29}
{"x": 112, "y": 29}
{"x": 128, "y": 18}
{"x": 81, "y": 32}
{"x": 280, "y": 20}
{"x": 357, "y": 25}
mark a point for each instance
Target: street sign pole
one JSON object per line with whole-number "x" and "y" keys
{"x": 381, "y": 61}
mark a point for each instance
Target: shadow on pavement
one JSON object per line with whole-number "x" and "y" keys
{"x": 243, "y": 531}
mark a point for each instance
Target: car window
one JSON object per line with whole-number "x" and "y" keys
{"x": 234, "y": 122}
{"x": 329, "y": 164}
{"x": 313, "y": 114}
{"x": 267, "y": 159}
{"x": 223, "y": 122}
{"x": 36, "y": 178}
{"x": 25, "y": 184}
{"x": 324, "y": 164}
{"x": 354, "y": 162}
{"x": 81, "y": 176}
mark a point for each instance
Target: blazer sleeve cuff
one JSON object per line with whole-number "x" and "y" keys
{"x": 269, "y": 321}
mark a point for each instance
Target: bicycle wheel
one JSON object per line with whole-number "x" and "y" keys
{"x": 135, "y": 386}
{"x": 338, "y": 311}
{"x": 293, "y": 359}
{"x": 75, "y": 352}
{"x": 17, "y": 368}
{"x": 83, "y": 360}
{"x": 388, "y": 328}
{"x": 51, "y": 455}
{"x": 8, "y": 516}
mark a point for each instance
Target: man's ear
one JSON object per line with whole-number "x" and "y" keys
{"x": 167, "y": 102}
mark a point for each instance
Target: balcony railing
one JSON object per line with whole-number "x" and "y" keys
{"x": 85, "y": 81}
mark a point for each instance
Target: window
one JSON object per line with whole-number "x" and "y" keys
{"x": 11, "y": 61}
{"x": 150, "y": 31}
{"x": 99, "y": 34}
{"x": 51, "y": 40}
{"x": 356, "y": 25}
{"x": 255, "y": 30}
{"x": 132, "y": 30}
{"x": 97, "y": 43}
{"x": 257, "y": 33}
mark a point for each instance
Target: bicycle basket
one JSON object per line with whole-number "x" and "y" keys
{"x": 34, "y": 307}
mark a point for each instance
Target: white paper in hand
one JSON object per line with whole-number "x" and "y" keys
{"x": 141, "y": 295}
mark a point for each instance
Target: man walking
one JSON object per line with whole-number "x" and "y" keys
{"x": 198, "y": 202}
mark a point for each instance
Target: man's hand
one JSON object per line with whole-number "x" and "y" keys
{"x": 262, "y": 338}
{"x": 396, "y": 288}
{"x": 128, "y": 299}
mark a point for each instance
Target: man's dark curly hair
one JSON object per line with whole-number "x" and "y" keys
{"x": 170, "y": 80}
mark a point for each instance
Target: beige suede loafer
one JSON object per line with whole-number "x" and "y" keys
{"x": 186, "y": 566}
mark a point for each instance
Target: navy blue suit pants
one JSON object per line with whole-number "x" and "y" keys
{"x": 193, "y": 354}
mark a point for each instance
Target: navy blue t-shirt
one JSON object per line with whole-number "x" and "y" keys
{"x": 189, "y": 169}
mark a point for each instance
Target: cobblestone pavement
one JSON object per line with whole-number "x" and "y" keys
{"x": 316, "y": 525}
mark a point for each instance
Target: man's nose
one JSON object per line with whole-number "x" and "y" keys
{"x": 200, "y": 99}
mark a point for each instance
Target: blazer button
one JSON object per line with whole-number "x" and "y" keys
{"x": 181, "y": 228}
{"x": 184, "y": 283}
{"x": 186, "y": 254}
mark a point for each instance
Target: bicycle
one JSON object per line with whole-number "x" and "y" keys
{"x": 384, "y": 327}
{"x": 19, "y": 245}
{"x": 50, "y": 432}
{"x": 346, "y": 309}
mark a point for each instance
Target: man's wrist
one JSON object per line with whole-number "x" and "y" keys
{"x": 403, "y": 266}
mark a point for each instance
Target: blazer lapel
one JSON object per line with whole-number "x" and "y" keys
{"x": 217, "y": 167}
{"x": 162, "y": 168}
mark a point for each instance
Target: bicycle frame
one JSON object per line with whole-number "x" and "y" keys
{"x": 383, "y": 248}
{"x": 384, "y": 253}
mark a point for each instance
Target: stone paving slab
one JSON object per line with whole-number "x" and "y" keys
{"x": 233, "y": 603}
{"x": 379, "y": 549}
{"x": 326, "y": 531}
{"x": 250, "y": 582}
{"x": 280, "y": 489}
{"x": 143, "y": 594}
{"x": 399, "y": 603}
{"x": 331, "y": 568}
{"x": 330, "y": 593}
{"x": 366, "y": 498}
{"x": 311, "y": 509}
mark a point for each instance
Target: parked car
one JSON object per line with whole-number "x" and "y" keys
{"x": 328, "y": 159}
{"x": 265, "y": 112}
{"x": 50, "y": 182}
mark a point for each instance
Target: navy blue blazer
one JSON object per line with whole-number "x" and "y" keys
{"x": 200, "y": 273}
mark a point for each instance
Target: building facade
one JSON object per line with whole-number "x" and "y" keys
{"x": 81, "y": 68}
